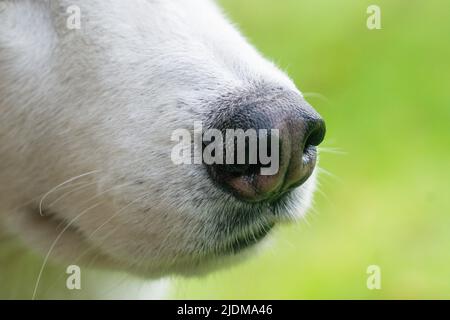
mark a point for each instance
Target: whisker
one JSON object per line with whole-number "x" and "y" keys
{"x": 117, "y": 213}
{"x": 110, "y": 232}
{"x": 60, "y": 185}
{"x": 332, "y": 150}
{"x": 316, "y": 95}
{"x": 26, "y": 203}
{"x": 54, "y": 244}
{"x": 100, "y": 194}
{"x": 119, "y": 282}
{"x": 305, "y": 220}
{"x": 323, "y": 171}
{"x": 71, "y": 191}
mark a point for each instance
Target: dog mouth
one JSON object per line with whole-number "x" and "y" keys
{"x": 252, "y": 238}
{"x": 225, "y": 250}
{"x": 242, "y": 232}
{"x": 249, "y": 227}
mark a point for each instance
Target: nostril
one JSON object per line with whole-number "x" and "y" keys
{"x": 316, "y": 134}
{"x": 309, "y": 132}
{"x": 236, "y": 169}
{"x": 239, "y": 170}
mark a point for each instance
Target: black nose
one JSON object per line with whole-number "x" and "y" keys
{"x": 298, "y": 128}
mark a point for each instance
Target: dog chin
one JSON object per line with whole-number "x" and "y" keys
{"x": 213, "y": 255}
{"x": 201, "y": 265}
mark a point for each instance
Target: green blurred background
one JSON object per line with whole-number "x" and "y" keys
{"x": 385, "y": 95}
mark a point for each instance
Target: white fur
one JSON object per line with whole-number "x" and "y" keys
{"x": 100, "y": 104}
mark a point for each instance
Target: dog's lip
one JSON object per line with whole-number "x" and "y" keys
{"x": 254, "y": 235}
{"x": 249, "y": 239}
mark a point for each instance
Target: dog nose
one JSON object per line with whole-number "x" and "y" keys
{"x": 291, "y": 130}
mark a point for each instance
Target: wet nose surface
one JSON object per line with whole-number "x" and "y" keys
{"x": 280, "y": 134}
